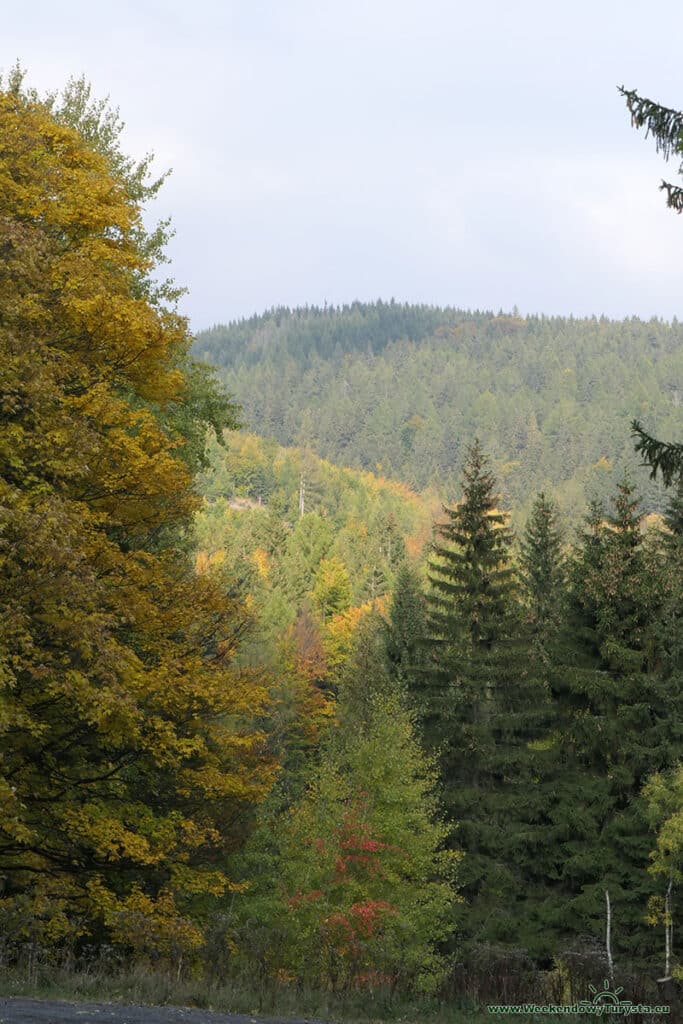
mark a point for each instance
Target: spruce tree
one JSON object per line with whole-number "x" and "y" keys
{"x": 621, "y": 720}
{"x": 481, "y": 704}
{"x": 673, "y": 515}
{"x": 543, "y": 567}
{"x": 543, "y": 574}
{"x": 405, "y": 632}
{"x": 670, "y": 619}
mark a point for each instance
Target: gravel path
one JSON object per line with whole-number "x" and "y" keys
{"x": 57, "y": 1011}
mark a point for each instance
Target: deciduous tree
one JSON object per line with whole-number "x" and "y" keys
{"x": 129, "y": 754}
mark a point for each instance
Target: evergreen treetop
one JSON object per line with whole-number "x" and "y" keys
{"x": 470, "y": 572}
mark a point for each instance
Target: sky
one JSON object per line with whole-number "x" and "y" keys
{"x": 473, "y": 155}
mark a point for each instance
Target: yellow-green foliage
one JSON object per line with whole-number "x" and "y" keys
{"x": 127, "y": 740}
{"x": 356, "y": 889}
{"x": 356, "y": 527}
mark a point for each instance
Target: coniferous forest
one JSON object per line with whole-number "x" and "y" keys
{"x": 343, "y": 678}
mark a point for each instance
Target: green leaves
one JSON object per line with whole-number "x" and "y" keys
{"x": 365, "y": 888}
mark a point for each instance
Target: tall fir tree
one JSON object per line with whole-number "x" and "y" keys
{"x": 481, "y": 704}
{"x": 404, "y": 632}
{"x": 543, "y": 565}
{"x": 622, "y": 720}
{"x": 671, "y": 577}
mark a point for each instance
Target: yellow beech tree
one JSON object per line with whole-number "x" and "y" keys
{"x": 128, "y": 754}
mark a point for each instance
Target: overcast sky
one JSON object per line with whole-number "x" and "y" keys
{"x": 475, "y": 155}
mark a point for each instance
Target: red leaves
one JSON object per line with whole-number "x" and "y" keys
{"x": 368, "y": 915}
{"x": 308, "y": 897}
{"x": 357, "y": 845}
{"x": 346, "y": 931}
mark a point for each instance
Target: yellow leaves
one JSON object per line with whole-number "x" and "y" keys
{"x": 340, "y": 632}
{"x": 11, "y": 815}
{"x": 262, "y": 562}
{"x": 64, "y": 195}
{"x": 47, "y": 915}
{"x": 213, "y": 782}
{"x": 101, "y": 900}
{"x": 133, "y": 738}
{"x": 136, "y": 835}
{"x": 202, "y": 881}
{"x": 108, "y": 837}
{"x": 154, "y": 927}
{"x": 204, "y": 561}
{"x": 47, "y": 174}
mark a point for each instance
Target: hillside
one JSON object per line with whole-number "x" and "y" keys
{"x": 401, "y": 390}
{"x": 355, "y": 530}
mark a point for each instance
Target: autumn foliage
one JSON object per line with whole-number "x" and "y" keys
{"x": 128, "y": 751}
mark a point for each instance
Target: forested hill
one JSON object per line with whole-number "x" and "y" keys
{"x": 403, "y": 389}
{"x": 328, "y": 332}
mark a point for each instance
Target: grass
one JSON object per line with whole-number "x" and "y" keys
{"x": 149, "y": 988}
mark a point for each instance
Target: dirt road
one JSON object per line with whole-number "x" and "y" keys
{"x": 56, "y": 1011}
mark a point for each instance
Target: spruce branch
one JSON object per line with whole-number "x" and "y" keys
{"x": 665, "y": 125}
{"x": 665, "y": 457}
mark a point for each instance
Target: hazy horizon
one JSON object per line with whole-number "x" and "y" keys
{"x": 440, "y": 154}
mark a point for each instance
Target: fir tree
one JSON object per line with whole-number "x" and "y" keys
{"x": 405, "y": 631}
{"x": 471, "y": 566}
{"x": 543, "y": 573}
{"x": 482, "y": 703}
{"x": 621, "y": 722}
{"x": 673, "y": 514}
{"x": 670, "y": 622}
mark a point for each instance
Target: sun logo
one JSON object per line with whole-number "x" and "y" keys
{"x": 606, "y": 996}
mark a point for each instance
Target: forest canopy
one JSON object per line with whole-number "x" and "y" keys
{"x": 282, "y": 716}
{"x": 402, "y": 390}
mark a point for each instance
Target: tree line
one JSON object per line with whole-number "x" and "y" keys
{"x": 540, "y": 679}
{"x": 402, "y": 391}
{"x": 439, "y": 758}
